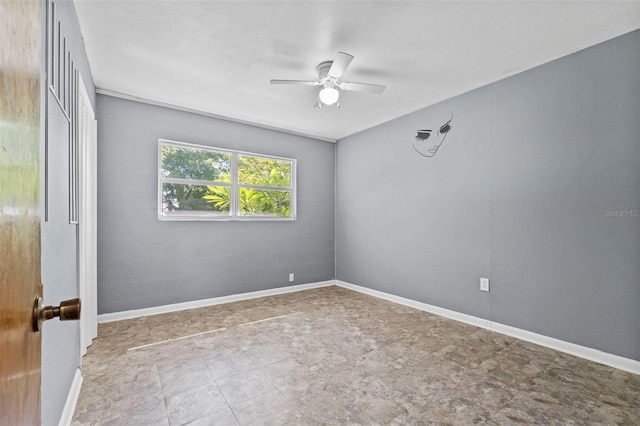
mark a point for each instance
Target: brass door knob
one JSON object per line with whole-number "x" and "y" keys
{"x": 68, "y": 310}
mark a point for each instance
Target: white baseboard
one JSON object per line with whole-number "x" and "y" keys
{"x": 590, "y": 354}
{"x": 136, "y": 313}
{"x": 72, "y": 400}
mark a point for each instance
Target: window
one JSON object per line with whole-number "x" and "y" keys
{"x": 203, "y": 183}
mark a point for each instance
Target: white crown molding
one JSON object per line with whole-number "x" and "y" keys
{"x": 208, "y": 114}
{"x": 590, "y": 354}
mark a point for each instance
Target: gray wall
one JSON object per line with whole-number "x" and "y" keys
{"x": 60, "y": 340}
{"x": 519, "y": 193}
{"x": 144, "y": 262}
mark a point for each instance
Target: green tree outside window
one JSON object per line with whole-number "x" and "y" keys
{"x": 199, "y": 180}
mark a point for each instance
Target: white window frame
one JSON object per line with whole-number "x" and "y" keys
{"x": 234, "y": 185}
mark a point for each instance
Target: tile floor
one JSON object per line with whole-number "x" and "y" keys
{"x": 334, "y": 356}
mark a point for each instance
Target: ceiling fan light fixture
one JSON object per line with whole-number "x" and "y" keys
{"x": 330, "y": 78}
{"x": 329, "y": 95}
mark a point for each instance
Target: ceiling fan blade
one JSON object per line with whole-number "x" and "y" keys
{"x": 317, "y": 104}
{"x": 362, "y": 87}
{"x": 340, "y": 63}
{"x": 302, "y": 82}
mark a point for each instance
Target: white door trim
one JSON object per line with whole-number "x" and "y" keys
{"x": 87, "y": 223}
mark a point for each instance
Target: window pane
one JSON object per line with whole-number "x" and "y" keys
{"x": 188, "y": 200}
{"x": 264, "y": 171}
{"x": 257, "y": 202}
{"x": 192, "y": 163}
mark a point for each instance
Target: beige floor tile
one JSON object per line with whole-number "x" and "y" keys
{"x": 542, "y": 409}
{"x": 223, "y": 417}
{"x": 183, "y": 376}
{"x": 243, "y": 386}
{"x": 271, "y": 408}
{"x": 228, "y": 363}
{"x": 150, "y": 413}
{"x": 194, "y": 403}
{"x": 332, "y": 356}
{"x": 269, "y": 353}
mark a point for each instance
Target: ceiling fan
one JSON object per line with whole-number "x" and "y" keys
{"x": 329, "y": 75}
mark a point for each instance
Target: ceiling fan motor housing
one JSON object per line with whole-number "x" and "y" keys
{"x": 323, "y": 71}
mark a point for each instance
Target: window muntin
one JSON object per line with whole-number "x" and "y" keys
{"x": 204, "y": 183}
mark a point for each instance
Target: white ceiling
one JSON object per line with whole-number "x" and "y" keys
{"x": 218, "y": 56}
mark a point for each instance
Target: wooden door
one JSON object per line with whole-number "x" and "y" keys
{"x": 20, "y": 67}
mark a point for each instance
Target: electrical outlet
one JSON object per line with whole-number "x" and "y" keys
{"x": 291, "y": 277}
{"x": 484, "y": 284}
